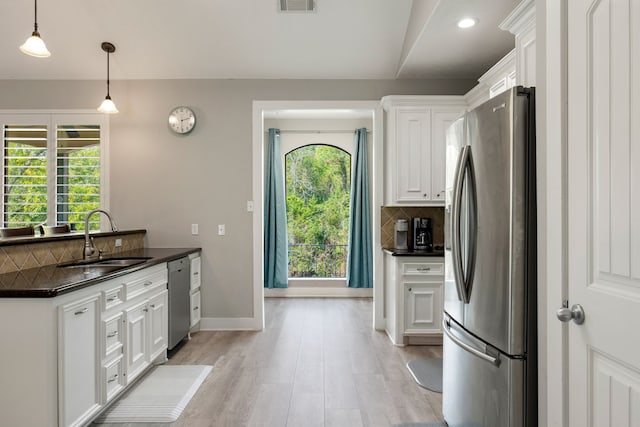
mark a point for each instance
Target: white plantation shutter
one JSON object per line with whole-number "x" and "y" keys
{"x": 53, "y": 169}
{"x": 77, "y": 174}
{"x": 24, "y": 175}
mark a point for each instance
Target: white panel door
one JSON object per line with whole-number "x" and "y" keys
{"x": 158, "y": 324}
{"x": 604, "y": 211}
{"x": 440, "y": 122}
{"x": 413, "y": 155}
{"x": 137, "y": 348}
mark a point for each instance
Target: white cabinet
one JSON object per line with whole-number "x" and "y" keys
{"x": 158, "y": 324}
{"x": 413, "y": 299}
{"x": 81, "y": 347}
{"x": 415, "y": 148}
{"x": 113, "y": 369}
{"x": 79, "y": 360}
{"x": 423, "y": 307}
{"x": 518, "y": 67}
{"x": 137, "y": 344}
{"x": 521, "y": 22}
{"x": 195, "y": 308}
{"x": 196, "y": 281}
{"x": 146, "y": 319}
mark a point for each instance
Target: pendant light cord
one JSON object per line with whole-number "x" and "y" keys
{"x": 108, "y": 97}
{"x": 35, "y": 17}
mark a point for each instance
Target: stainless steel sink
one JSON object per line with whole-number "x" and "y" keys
{"x": 106, "y": 262}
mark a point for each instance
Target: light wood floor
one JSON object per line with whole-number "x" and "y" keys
{"x": 318, "y": 362}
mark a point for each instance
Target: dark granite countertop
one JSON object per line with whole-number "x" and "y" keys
{"x": 50, "y": 281}
{"x": 404, "y": 252}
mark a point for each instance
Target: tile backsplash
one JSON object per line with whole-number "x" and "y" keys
{"x": 38, "y": 254}
{"x": 390, "y": 214}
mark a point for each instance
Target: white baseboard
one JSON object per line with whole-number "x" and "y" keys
{"x": 324, "y": 292}
{"x": 229, "y": 324}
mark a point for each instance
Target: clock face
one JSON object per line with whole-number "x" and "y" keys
{"x": 182, "y": 120}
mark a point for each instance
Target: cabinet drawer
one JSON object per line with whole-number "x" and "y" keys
{"x": 113, "y": 335}
{"x": 423, "y": 268}
{"x": 195, "y": 309}
{"x": 195, "y": 273}
{"x": 113, "y": 297}
{"x": 113, "y": 378}
{"x": 140, "y": 285}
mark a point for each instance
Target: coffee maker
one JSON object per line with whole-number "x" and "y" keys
{"x": 422, "y": 235}
{"x": 401, "y": 235}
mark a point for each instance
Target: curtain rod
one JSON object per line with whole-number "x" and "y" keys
{"x": 318, "y": 131}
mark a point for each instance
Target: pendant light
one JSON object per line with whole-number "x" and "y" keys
{"x": 34, "y": 46}
{"x": 107, "y": 105}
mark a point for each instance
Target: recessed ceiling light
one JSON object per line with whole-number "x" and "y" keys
{"x": 467, "y": 22}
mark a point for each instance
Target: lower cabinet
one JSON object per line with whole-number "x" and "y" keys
{"x": 79, "y": 363}
{"x": 414, "y": 299}
{"x": 73, "y": 354}
{"x": 423, "y": 307}
{"x": 195, "y": 308}
{"x": 137, "y": 348}
{"x": 158, "y": 324}
{"x": 196, "y": 280}
{"x": 107, "y": 339}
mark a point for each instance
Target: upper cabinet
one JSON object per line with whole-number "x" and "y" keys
{"x": 415, "y": 147}
{"x": 518, "y": 67}
{"x": 522, "y": 24}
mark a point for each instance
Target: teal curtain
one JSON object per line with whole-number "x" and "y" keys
{"x": 276, "y": 261}
{"x": 360, "y": 253}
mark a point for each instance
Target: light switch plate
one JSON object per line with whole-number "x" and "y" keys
{"x": 221, "y": 230}
{"x": 249, "y": 205}
{"x": 194, "y": 229}
{"x": 118, "y": 243}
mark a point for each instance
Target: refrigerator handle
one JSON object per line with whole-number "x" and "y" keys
{"x": 456, "y": 247}
{"x": 476, "y": 352}
{"x": 473, "y": 227}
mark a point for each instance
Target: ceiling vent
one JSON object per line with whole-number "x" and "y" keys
{"x": 297, "y": 5}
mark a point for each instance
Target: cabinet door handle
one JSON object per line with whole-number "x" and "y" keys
{"x": 153, "y": 306}
{"x": 111, "y": 299}
{"x": 196, "y": 308}
{"x": 146, "y": 309}
{"x": 113, "y": 378}
{"x": 148, "y": 283}
{"x": 83, "y": 311}
{"x": 424, "y": 268}
{"x": 195, "y": 273}
{"x": 112, "y": 334}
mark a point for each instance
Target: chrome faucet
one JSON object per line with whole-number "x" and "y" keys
{"x": 89, "y": 249}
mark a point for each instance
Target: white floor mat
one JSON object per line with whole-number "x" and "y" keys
{"x": 160, "y": 397}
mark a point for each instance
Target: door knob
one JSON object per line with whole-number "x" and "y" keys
{"x": 575, "y": 313}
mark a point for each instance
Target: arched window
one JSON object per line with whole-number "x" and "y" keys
{"x": 318, "y": 183}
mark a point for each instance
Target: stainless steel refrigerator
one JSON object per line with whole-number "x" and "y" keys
{"x": 489, "y": 356}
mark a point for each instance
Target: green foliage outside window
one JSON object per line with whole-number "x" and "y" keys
{"x": 26, "y": 182}
{"x": 318, "y": 180}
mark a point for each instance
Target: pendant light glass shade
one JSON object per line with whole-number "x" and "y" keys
{"x": 107, "y": 106}
{"x": 34, "y": 46}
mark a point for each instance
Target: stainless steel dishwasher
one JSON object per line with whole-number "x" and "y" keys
{"x": 179, "y": 304}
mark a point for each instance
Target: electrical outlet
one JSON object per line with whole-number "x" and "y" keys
{"x": 221, "y": 230}
{"x": 249, "y": 205}
{"x": 118, "y": 243}
{"x": 194, "y": 229}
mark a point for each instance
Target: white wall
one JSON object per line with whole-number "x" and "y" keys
{"x": 164, "y": 183}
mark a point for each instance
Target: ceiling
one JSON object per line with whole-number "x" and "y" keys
{"x": 252, "y": 39}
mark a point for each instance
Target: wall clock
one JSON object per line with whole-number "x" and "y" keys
{"x": 182, "y": 120}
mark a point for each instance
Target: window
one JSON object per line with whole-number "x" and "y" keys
{"x": 52, "y": 169}
{"x": 318, "y": 183}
